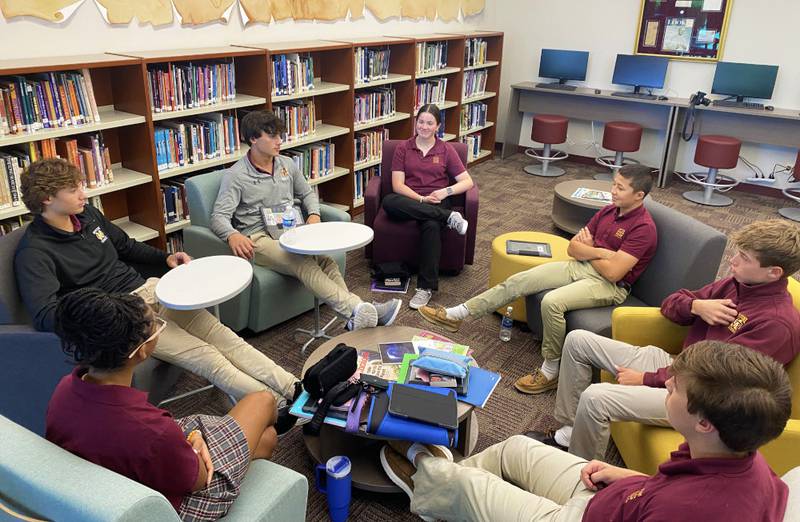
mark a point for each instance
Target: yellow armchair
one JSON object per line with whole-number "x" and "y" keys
{"x": 644, "y": 447}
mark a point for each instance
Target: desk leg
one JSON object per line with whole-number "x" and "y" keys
{"x": 317, "y": 332}
{"x": 513, "y": 126}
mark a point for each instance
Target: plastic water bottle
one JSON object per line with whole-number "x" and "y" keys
{"x": 505, "y": 325}
{"x": 288, "y": 217}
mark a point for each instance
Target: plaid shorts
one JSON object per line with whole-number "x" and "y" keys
{"x": 230, "y": 455}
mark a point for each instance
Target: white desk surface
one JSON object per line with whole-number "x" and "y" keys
{"x": 326, "y": 238}
{"x": 204, "y": 282}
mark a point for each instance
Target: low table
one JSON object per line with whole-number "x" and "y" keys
{"x": 363, "y": 449}
{"x": 503, "y": 265}
{"x": 571, "y": 214}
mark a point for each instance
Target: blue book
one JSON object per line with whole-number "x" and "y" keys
{"x": 297, "y": 411}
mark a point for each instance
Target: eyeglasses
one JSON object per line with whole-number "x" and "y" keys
{"x": 162, "y": 323}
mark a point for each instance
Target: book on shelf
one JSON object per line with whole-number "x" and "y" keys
{"x": 371, "y": 64}
{"x": 374, "y": 104}
{"x": 46, "y": 101}
{"x": 9, "y": 225}
{"x": 299, "y": 116}
{"x": 475, "y": 82}
{"x": 180, "y": 86}
{"x": 12, "y": 163}
{"x": 442, "y": 117}
{"x": 431, "y": 56}
{"x": 361, "y": 178}
{"x": 473, "y": 142}
{"x": 173, "y": 198}
{"x": 369, "y": 144}
{"x": 185, "y": 142}
{"x": 292, "y": 73}
{"x": 473, "y": 115}
{"x": 475, "y": 51}
{"x": 314, "y": 161}
{"x": 430, "y": 91}
{"x": 97, "y": 202}
{"x": 175, "y": 242}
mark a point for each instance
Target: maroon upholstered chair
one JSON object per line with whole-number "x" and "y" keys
{"x": 398, "y": 241}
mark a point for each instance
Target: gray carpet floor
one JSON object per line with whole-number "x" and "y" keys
{"x": 510, "y": 200}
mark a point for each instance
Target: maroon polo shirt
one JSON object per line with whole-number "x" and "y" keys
{"x": 634, "y": 233}
{"x": 115, "y": 427}
{"x": 433, "y": 171}
{"x": 711, "y": 490}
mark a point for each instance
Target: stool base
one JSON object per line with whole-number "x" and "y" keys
{"x": 544, "y": 170}
{"x": 605, "y": 176}
{"x": 546, "y": 155}
{"x": 792, "y": 213}
{"x": 712, "y": 200}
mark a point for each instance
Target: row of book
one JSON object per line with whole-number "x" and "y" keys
{"x": 374, "y": 103}
{"x": 314, "y": 161}
{"x": 475, "y": 51}
{"x": 473, "y": 142}
{"x": 174, "y": 202}
{"x": 475, "y": 82}
{"x": 46, "y": 101}
{"x": 180, "y": 143}
{"x": 430, "y": 91}
{"x": 12, "y": 163}
{"x": 8, "y": 226}
{"x": 362, "y": 177}
{"x": 440, "y": 132}
{"x": 90, "y": 155}
{"x": 371, "y": 64}
{"x": 369, "y": 144}
{"x": 292, "y": 73}
{"x": 431, "y": 56}
{"x": 175, "y": 87}
{"x": 473, "y": 115}
{"x": 299, "y": 117}
{"x": 175, "y": 243}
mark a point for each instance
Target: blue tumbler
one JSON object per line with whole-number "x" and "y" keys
{"x": 337, "y": 482}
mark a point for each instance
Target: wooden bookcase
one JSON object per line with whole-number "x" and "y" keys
{"x": 128, "y": 122}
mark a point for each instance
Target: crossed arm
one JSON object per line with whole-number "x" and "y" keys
{"x": 611, "y": 265}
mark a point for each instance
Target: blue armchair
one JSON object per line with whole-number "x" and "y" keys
{"x": 272, "y": 298}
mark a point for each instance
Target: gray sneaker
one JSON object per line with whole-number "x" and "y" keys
{"x": 421, "y": 298}
{"x": 365, "y": 316}
{"x": 387, "y": 312}
{"x": 457, "y": 222}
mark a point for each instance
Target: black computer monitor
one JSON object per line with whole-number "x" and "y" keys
{"x": 640, "y": 71}
{"x": 563, "y": 65}
{"x": 744, "y": 80}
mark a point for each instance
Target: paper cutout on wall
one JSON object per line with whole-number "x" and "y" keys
{"x": 57, "y": 11}
{"x": 281, "y": 9}
{"x": 156, "y": 12}
{"x": 448, "y": 9}
{"x": 356, "y": 9}
{"x": 416, "y": 9}
{"x": 195, "y": 12}
{"x": 255, "y": 11}
{"x": 472, "y": 7}
{"x": 384, "y": 9}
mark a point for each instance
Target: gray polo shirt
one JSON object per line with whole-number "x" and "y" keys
{"x": 245, "y": 190}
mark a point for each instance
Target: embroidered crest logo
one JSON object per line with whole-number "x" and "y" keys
{"x": 99, "y": 234}
{"x": 436, "y": 160}
{"x": 633, "y": 496}
{"x": 284, "y": 172}
{"x": 737, "y": 323}
{"x": 619, "y": 233}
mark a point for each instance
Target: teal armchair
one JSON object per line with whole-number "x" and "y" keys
{"x": 272, "y": 297}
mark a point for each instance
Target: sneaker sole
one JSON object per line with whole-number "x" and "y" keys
{"x": 435, "y": 321}
{"x": 528, "y": 391}
{"x": 414, "y": 306}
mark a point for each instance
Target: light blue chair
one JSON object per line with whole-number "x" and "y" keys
{"x": 40, "y": 480}
{"x": 272, "y": 298}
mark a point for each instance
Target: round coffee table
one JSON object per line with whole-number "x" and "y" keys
{"x": 504, "y": 265}
{"x": 571, "y": 214}
{"x": 363, "y": 449}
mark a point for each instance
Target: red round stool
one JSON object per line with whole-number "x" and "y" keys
{"x": 791, "y": 192}
{"x": 621, "y": 137}
{"x": 548, "y": 129}
{"x": 714, "y": 152}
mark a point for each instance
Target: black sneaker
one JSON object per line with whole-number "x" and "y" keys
{"x": 286, "y": 421}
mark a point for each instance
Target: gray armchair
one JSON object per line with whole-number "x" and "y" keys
{"x": 688, "y": 256}
{"x": 272, "y": 297}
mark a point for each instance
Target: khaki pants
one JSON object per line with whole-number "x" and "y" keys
{"x": 591, "y": 408}
{"x": 576, "y": 285}
{"x": 320, "y": 274}
{"x": 515, "y": 480}
{"x": 196, "y": 341}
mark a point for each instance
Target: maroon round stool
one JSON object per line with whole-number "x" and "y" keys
{"x": 621, "y": 137}
{"x": 548, "y": 129}
{"x": 791, "y": 192}
{"x": 714, "y": 152}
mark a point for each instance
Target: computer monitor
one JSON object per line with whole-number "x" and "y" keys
{"x": 744, "y": 80}
{"x": 563, "y": 65}
{"x": 640, "y": 71}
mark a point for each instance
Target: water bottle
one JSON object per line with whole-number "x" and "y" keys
{"x": 505, "y": 325}
{"x": 333, "y": 479}
{"x": 288, "y": 217}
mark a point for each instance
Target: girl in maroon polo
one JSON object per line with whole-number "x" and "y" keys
{"x": 426, "y": 171}
{"x": 197, "y": 462}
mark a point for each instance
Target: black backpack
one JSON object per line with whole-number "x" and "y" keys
{"x": 328, "y": 380}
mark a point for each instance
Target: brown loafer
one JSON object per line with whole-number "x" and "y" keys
{"x": 535, "y": 383}
{"x": 401, "y": 447}
{"x": 438, "y": 315}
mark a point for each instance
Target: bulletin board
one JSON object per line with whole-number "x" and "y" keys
{"x": 683, "y": 29}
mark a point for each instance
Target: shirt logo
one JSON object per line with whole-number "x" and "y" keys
{"x": 619, "y": 233}
{"x": 633, "y": 496}
{"x": 436, "y": 160}
{"x": 737, "y": 323}
{"x": 99, "y": 234}
{"x": 284, "y": 172}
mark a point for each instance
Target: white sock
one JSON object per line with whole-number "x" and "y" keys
{"x": 457, "y": 312}
{"x": 550, "y": 368}
{"x": 563, "y": 435}
{"x": 414, "y": 450}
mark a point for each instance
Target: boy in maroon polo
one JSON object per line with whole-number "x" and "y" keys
{"x": 610, "y": 253}
{"x": 725, "y": 399}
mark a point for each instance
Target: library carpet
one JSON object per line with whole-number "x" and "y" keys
{"x": 509, "y": 200}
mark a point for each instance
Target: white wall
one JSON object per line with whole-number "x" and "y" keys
{"x": 759, "y": 32}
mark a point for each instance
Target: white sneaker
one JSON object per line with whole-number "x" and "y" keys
{"x": 421, "y": 298}
{"x": 365, "y": 316}
{"x": 457, "y": 222}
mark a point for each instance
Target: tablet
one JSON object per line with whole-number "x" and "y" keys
{"x": 528, "y": 248}
{"x": 424, "y": 406}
